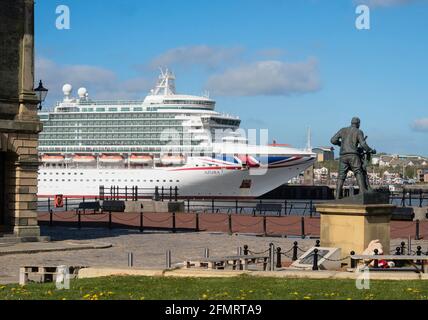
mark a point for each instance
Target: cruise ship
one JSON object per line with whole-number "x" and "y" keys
{"x": 166, "y": 140}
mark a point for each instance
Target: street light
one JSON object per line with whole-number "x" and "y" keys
{"x": 41, "y": 92}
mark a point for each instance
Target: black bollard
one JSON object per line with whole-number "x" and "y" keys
{"x": 79, "y": 219}
{"x": 50, "y": 218}
{"x": 376, "y": 262}
{"x": 174, "y": 230}
{"x": 419, "y": 253}
{"x": 197, "y": 222}
{"x": 353, "y": 261}
{"x": 212, "y": 206}
{"x": 278, "y": 257}
{"x": 264, "y": 226}
{"x": 398, "y": 251}
{"x": 403, "y": 246}
{"x": 245, "y": 250}
{"x": 295, "y": 247}
{"x": 230, "y": 224}
{"x": 318, "y": 243}
{"x": 302, "y": 226}
{"x": 141, "y": 221}
{"x": 315, "y": 266}
{"x": 417, "y": 236}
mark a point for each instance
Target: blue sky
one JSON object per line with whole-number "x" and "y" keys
{"x": 284, "y": 65}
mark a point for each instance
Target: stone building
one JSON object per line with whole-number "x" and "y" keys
{"x": 19, "y": 123}
{"x": 324, "y": 153}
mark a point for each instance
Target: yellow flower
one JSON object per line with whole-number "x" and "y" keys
{"x": 307, "y": 298}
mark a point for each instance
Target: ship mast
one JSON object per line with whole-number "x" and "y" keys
{"x": 166, "y": 84}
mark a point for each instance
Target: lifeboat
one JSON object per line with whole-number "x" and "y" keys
{"x": 172, "y": 160}
{"x": 140, "y": 159}
{"x": 83, "y": 158}
{"x": 53, "y": 158}
{"x": 111, "y": 158}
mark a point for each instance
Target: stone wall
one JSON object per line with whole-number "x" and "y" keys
{"x": 11, "y": 32}
{"x": 19, "y": 123}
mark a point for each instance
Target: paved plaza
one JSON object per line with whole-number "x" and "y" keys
{"x": 148, "y": 248}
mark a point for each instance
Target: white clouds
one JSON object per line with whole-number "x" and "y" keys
{"x": 385, "y": 3}
{"x": 420, "y": 125}
{"x": 101, "y": 83}
{"x": 202, "y": 55}
{"x": 270, "y": 77}
{"x": 258, "y": 73}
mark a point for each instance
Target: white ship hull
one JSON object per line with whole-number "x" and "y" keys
{"x": 191, "y": 181}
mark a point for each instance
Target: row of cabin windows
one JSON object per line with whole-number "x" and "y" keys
{"x": 139, "y": 142}
{"x": 95, "y": 116}
{"x": 103, "y": 180}
{"x": 111, "y": 123}
{"x": 81, "y": 173}
{"x": 125, "y": 129}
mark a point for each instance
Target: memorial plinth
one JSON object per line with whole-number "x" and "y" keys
{"x": 353, "y": 223}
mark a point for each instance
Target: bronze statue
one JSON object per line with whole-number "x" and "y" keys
{"x": 354, "y": 155}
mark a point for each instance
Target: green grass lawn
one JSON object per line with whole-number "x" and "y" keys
{"x": 238, "y": 288}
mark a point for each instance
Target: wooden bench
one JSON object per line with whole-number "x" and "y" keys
{"x": 44, "y": 273}
{"x": 268, "y": 207}
{"x": 113, "y": 206}
{"x": 236, "y": 262}
{"x": 93, "y": 205}
{"x": 418, "y": 263}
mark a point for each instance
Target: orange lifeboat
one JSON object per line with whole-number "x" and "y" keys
{"x": 53, "y": 158}
{"x": 140, "y": 159}
{"x": 172, "y": 160}
{"x": 83, "y": 158}
{"x": 111, "y": 158}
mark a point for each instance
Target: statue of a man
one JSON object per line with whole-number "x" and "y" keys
{"x": 350, "y": 140}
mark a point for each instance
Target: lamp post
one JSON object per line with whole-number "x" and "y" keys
{"x": 41, "y": 93}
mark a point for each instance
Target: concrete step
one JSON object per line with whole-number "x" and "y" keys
{"x": 12, "y": 239}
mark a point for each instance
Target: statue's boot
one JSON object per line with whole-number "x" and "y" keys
{"x": 339, "y": 189}
{"x": 361, "y": 182}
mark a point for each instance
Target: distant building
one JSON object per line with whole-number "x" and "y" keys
{"x": 385, "y": 161}
{"x": 324, "y": 153}
{"x": 423, "y": 175}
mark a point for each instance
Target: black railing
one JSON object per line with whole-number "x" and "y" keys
{"x": 136, "y": 193}
{"x": 409, "y": 197}
{"x": 403, "y": 198}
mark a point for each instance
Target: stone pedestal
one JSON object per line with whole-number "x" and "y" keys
{"x": 351, "y": 227}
